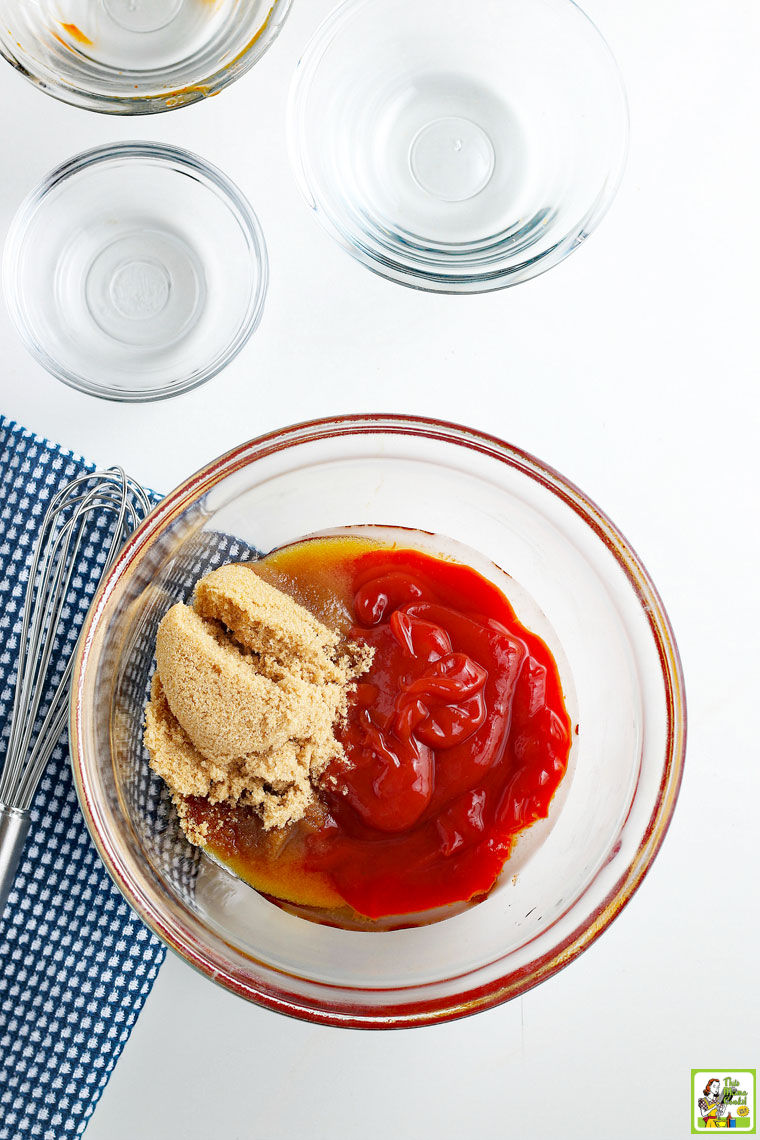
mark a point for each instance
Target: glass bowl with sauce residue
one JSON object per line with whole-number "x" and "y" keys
{"x": 570, "y": 577}
{"x": 136, "y": 57}
{"x": 135, "y": 271}
{"x": 454, "y": 148}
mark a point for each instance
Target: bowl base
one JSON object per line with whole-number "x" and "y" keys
{"x": 135, "y": 16}
{"x": 452, "y": 159}
{"x": 145, "y": 289}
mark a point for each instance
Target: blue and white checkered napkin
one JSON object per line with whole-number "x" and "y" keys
{"x": 76, "y": 963}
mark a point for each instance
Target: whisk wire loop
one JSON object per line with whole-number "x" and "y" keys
{"x": 91, "y": 515}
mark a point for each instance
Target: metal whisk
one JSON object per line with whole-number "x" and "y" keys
{"x": 89, "y": 519}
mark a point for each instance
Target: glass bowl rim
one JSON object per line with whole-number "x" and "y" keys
{"x": 166, "y": 155}
{"x": 76, "y": 96}
{"x": 428, "y": 279}
{"x": 434, "y": 1010}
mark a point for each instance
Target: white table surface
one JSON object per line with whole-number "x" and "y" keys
{"x": 632, "y": 368}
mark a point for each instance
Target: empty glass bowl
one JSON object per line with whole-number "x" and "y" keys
{"x": 133, "y": 57}
{"x": 573, "y": 579}
{"x": 458, "y": 148}
{"x": 135, "y": 271}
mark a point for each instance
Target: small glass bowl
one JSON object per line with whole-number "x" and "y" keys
{"x": 574, "y": 580}
{"x": 135, "y": 57}
{"x": 458, "y": 148}
{"x": 135, "y": 271}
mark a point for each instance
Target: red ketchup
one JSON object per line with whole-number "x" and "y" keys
{"x": 456, "y": 739}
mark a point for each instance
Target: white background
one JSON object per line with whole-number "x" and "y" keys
{"x": 632, "y": 368}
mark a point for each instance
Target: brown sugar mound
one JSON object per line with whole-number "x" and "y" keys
{"x": 248, "y": 689}
{"x": 268, "y": 622}
{"x": 225, "y": 705}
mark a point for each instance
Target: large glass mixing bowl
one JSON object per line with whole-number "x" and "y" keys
{"x": 573, "y": 579}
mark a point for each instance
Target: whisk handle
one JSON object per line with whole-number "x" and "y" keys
{"x": 14, "y": 827}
